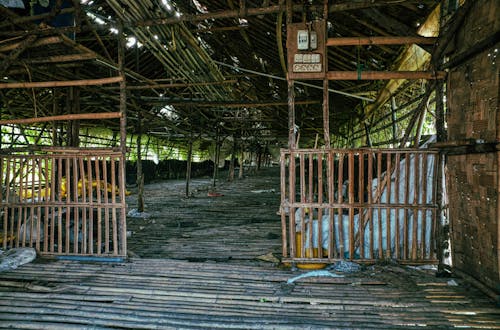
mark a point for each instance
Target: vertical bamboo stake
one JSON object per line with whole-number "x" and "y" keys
{"x": 351, "y": 202}
{"x": 302, "y": 201}
{"x": 282, "y": 207}
{"x": 388, "y": 217}
{"x": 76, "y": 209}
{"x": 361, "y": 199}
{"x": 290, "y": 86}
{"x": 24, "y": 211}
{"x": 425, "y": 207}
{"x": 216, "y": 157}
{"x": 397, "y": 201}
{"x": 340, "y": 201}
{"x": 242, "y": 160}
{"x": 188, "y": 165}
{"x": 291, "y": 196}
{"x": 39, "y": 207}
{"x": 379, "y": 194}
{"x": 123, "y": 137}
{"x": 10, "y": 181}
{"x": 416, "y": 185}
{"x": 140, "y": 175}
{"x": 68, "y": 204}
{"x": 31, "y": 170}
{"x": 48, "y": 195}
{"x": 90, "y": 189}
{"x": 370, "y": 202}
{"x": 320, "y": 202}
{"x": 331, "y": 200}
{"x": 99, "y": 182}
{"x": 106, "y": 204}
{"x": 231, "y": 163}
{"x": 4, "y": 232}
{"x": 85, "y": 208}
{"x": 59, "y": 210}
{"x": 394, "y": 108}
{"x": 406, "y": 201}
{"x": 113, "y": 201}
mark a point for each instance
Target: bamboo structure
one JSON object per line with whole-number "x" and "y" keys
{"x": 55, "y": 201}
{"x": 348, "y": 210}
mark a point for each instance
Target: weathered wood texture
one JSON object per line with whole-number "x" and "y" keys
{"x": 168, "y": 294}
{"x": 473, "y": 178}
{"x": 238, "y": 226}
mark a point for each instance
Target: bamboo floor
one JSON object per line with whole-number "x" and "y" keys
{"x": 176, "y": 294}
{"x": 201, "y": 273}
{"x": 236, "y": 227}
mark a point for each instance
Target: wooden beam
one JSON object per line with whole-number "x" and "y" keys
{"x": 62, "y": 58}
{"x": 384, "y": 75}
{"x": 238, "y": 105}
{"x": 93, "y": 116}
{"x": 178, "y": 85}
{"x": 380, "y": 40}
{"x": 49, "y": 84}
{"x": 40, "y": 42}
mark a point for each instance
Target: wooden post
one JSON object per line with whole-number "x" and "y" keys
{"x": 290, "y": 84}
{"x": 216, "y": 157}
{"x": 188, "y": 165}
{"x": 326, "y": 107}
{"x": 140, "y": 174}
{"x": 441, "y": 136}
{"x": 394, "y": 107}
{"x": 123, "y": 137}
{"x": 231, "y": 164}
{"x": 242, "y": 159}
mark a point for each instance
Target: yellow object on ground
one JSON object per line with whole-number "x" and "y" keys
{"x": 309, "y": 253}
{"x": 46, "y": 193}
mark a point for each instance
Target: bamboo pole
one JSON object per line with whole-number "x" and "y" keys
{"x": 384, "y": 75}
{"x": 284, "y": 243}
{"x": 380, "y": 40}
{"x": 40, "y": 42}
{"x": 179, "y": 85}
{"x": 49, "y": 84}
{"x": 95, "y": 116}
{"x": 140, "y": 174}
{"x": 188, "y": 165}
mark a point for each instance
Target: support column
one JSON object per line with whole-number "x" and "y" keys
{"x": 123, "y": 138}
{"x": 140, "y": 174}
{"x": 188, "y": 165}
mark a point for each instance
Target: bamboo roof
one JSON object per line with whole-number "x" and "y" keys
{"x": 197, "y": 66}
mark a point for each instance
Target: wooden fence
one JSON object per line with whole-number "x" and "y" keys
{"x": 363, "y": 204}
{"x": 66, "y": 201}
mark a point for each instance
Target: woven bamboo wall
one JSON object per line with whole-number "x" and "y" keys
{"x": 473, "y": 89}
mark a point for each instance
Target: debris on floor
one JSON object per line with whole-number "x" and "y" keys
{"x": 14, "y": 258}
{"x": 315, "y": 273}
{"x": 134, "y": 213}
{"x": 268, "y": 257}
{"x": 343, "y": 266}
{"x": 262, "y": 191}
